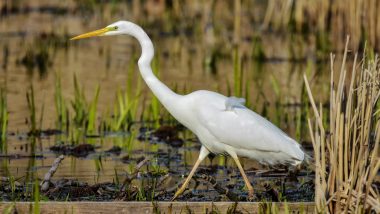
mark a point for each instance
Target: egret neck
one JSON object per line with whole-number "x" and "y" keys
{"x": 166, "y": 96}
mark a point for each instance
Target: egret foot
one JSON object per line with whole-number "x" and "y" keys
{"x": 179, "y": 192}
{"x": 247, "y": 183}
{"x": 203, "y": 153}
{"x": 250, "y": 195}
{"x": 184, "y": 185}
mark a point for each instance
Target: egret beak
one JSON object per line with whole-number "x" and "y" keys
{"x": 99, "y": 32}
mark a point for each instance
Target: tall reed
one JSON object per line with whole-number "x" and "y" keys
{"x": 330, "y": 20}
{"x": 347, "y": 148}
{"x": 60, "y": 105}
{"x": 32, "y": 110}
{"x": 85, "y": 113}
{"x": 127, "y": 103}
{"x": 3, "y": 117}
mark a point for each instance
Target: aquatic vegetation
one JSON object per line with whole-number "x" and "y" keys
{"x": 125, "y": 112}
{"x": 3, "y": 118}
{"x": 85, "y": 113}
{"x": 60, "y": 106}
{"x": 5, "y": 57}
{"x": 238, "y": 73}
{"x": 278, "y": 108}
{"x": 92, "y": 113}
{"x": 79, "y": 105}
{"x": 301, "y": 113}
{"x": 36, "y": 196}
{"x": 156, "y": 169}
{"x": 126, "y": 106}
{"x": 12, "y": 184}
{"x": 116, "y": 178}
{"x": 122, "y": 117}
{"x": 347, "y": 147}
{"x": 237, "y": 58}
{"x": 98, "y": 167}
{"x": 32, "y": 110}
{"x": 328, "y": 20}
{"x": 211, "y": 60}
{"x": 34, "y": 125}
{"x": 37, "y": 58}
{"x": 258, "y": 52}
{"x": 297, "y": 33}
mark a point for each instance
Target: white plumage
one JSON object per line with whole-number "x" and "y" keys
{"x": 223, "y": 125}
{"x": 221, "y": 122}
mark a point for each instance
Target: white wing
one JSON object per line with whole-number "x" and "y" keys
{"x": 233, "y": 102}
{"x": 244, "y": 129}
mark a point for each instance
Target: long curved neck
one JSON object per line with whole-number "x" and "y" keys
{"x": 160, "y": 90}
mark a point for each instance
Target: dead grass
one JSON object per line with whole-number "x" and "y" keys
{"x": 358, "y": 18}
{"x": 346, "y": 148}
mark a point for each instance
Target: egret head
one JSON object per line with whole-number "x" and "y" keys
{"x": 115, "y": 28}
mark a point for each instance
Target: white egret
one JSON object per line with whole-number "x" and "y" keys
{"x": 222, "y": 124}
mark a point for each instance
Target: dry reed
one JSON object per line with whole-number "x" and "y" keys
{"x": 347, "y": 148}
{"x": 358, "y": 18}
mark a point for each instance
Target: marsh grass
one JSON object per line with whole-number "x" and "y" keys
{"x": 85, "y": 119}
{"x": 155, "y": 106}
{"x": 125, "y": 110}
{"x": 346, "y": 147}
{"x": 242, "y": 81}
{"x": 278, "y": 108}
{"x": 92, "y": 112}
{"x": 36, "y": 196}
{"x": 126, "y": 105}
{"x": 330, "y": 21}
{"x": 61, "y": 109}
{"x": 31, "y": 179}
{"x": 85, "y": 113}
{"x": 237, "y": 56}
{"x": 79, "y": 105}
{"x": 3, "y": 119}
{"x": 35, "y": 124}
{"x": 32, "y": 109}
{"x": 98, "y": 168}
{"x": 238, "y": 73}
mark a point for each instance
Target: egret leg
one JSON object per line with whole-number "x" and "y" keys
{"x": 247, "y": 183}
{"x": 202, "y": 155}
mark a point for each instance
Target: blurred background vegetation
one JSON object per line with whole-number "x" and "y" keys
{"x": 255, "y": 49}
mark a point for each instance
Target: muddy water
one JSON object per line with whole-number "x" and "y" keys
{"x": 44, "y": 27}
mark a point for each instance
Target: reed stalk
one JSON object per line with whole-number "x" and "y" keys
{"x": 60, "y": 105}
{"x": 32, "y": 110}
{"x": 3, "y": 118}
{"x": 346, "y": 150}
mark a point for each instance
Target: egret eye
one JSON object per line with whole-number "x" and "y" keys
{"x": 115, "y": 28}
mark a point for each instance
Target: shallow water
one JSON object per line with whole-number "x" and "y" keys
{"x": 44, "y": 27}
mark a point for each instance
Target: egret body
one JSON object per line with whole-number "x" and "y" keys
{"x": 222, "y": 124}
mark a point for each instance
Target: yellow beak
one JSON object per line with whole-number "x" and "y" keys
{"x": 99, "y": 32}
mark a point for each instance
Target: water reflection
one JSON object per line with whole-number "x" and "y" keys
{"x": 192, "y": 55}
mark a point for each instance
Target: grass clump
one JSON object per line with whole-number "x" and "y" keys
{"x": 84, "y": 111}
{"x": 346, "y": 148}
{"x": 126, "y": 106}
{"x": 34, "y": 125}
{"x": 60, "y": 105}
